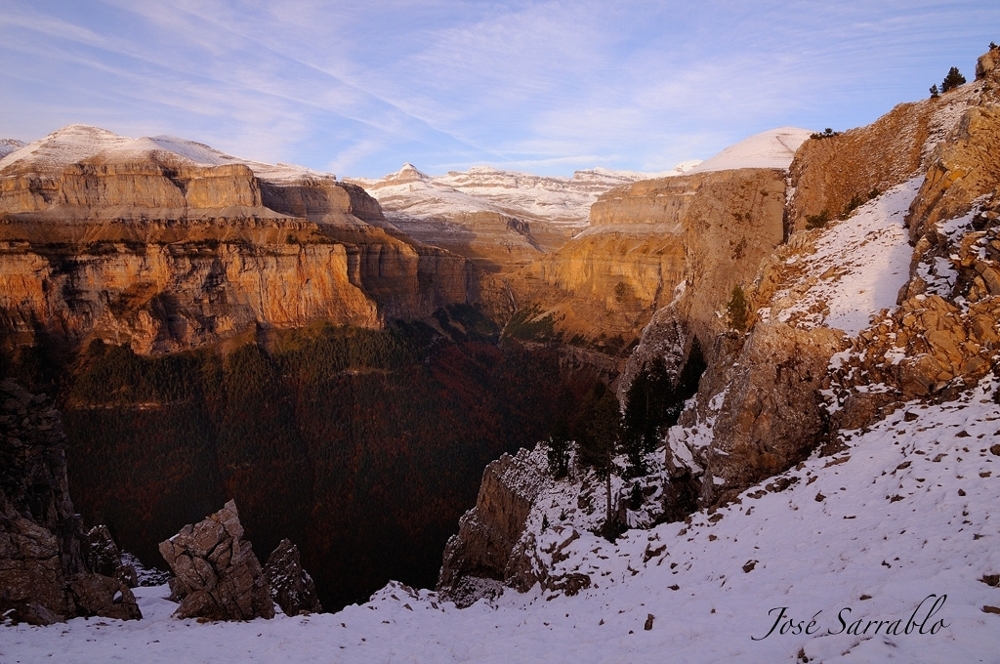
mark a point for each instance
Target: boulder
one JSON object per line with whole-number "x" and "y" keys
{"x": 99, "y": 595}
{"x": 291, "y": 586}
{"x": 217, "y": 575}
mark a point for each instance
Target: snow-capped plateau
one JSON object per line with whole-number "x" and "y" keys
{"x": 51, "y": 154}
{"x": 554, "y": 200}
{"x": 774, "y": 148}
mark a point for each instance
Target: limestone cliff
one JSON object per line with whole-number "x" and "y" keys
{"x": 832, "y": 345}
{"x": 835, "y": 174}
{"x": 170, "y": 245}
{"x": 706, "y": 232}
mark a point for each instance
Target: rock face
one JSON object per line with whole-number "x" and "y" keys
{"x": 482, "y": 550}
{"x": 771, "y": 416}
{"x": 217, "y": 575}
{"x": 46, "y": 570}
{"x": 291, "y": 586}
{"x": 706, "y": 232}
{"x": 169, "y": 245}
{"x": 828, "y": 173}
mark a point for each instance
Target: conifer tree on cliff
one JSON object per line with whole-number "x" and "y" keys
{"x": 952, "y": 80}
{"x": 599, "y": 445}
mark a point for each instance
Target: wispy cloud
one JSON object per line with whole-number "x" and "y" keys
{"x": 363, "y": 86}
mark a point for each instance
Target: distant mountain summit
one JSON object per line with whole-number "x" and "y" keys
{"x": 8, "y": 145}
{"x": 410, "y": 193}
{"x": 499, "y": 218}
{"x": 78, "y": 142}
{"x": 774, "y": 148}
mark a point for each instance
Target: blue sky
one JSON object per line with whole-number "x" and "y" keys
{"x": 358, "y": 88}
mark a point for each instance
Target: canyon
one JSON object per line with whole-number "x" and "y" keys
{"x": 236, "y": 322}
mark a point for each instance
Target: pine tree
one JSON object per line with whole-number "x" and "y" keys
{"x": 601, "y": 442}
{"x": 637, "y": 421}
{"x": 952, "y": 80}
{"x": 558, "y": 452}
{"x": 934, "y": 91}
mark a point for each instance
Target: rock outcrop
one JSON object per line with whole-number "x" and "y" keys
{"x": 217, "y": 575}
{"x": 837, "y": 173}
{"x": 479, "y": 557}
{"x": 107, "y": 558}
{"x": 46, "y": 568}
{"x": 945, "y": 334}
{"x": 291, "y": 586}
{"x": 771, "y": 416}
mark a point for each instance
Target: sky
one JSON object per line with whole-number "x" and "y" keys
{"x": 359, "y": 88}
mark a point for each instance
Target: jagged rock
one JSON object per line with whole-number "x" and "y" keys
{"x": 986, "y": 63}
{"x": 45, "y": 572}
{"x": 496, "y": 548}
{"x": 217, "y": 575}
{"x": 32, "y": 581}
{"x": 488, "y": 532}
{"x": 291, "y": 586}
{"x": 107, "y": 559}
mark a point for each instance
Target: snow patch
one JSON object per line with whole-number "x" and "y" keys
{"x": 858, "y": 266}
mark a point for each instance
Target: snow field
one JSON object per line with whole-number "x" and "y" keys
{"x": 904, "y": 512}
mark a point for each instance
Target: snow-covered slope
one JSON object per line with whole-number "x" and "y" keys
{"x": 853, "y": 270}
{"x": 770, "y": 149}
{"x": 74, "y": 143}
{"x": 887, "y": 546}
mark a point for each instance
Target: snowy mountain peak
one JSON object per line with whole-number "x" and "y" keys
{"x": 774, "y": 148}
{"x": 78, "y": 142}
{"x": 408, "y": 173}
{"x": 49, "y": 155}
{"x": 8, "y": 145}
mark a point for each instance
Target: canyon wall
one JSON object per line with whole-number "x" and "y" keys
{"x": 895, "y": 300}
{"x": 651, "y": 240}
{"x": 149, "y": 247}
